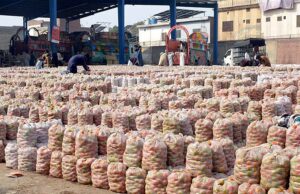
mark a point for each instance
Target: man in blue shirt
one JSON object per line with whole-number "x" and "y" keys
{"x": 75, "y": 61}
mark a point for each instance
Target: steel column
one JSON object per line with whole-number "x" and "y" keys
{"x": 173, "y": 17}
{"x": 121, "y": 18}
{"x": 67, "y": 26}
{"x": 25, "y": 26}
{"x": 53, "y": 22}
{"x": 215, "y": 41}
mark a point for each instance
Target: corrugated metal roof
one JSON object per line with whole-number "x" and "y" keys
{"x": 75, "y": 9}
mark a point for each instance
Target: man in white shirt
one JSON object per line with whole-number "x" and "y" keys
{"x": 247, "y": 56}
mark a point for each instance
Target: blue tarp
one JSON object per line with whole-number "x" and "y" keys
{"x": 267, "y": 5}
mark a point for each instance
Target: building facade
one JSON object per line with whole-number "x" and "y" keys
{"x": 239, "y": 20}
{"x": 281, "y": 29}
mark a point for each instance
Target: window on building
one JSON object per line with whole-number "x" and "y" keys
{"x": 268, "y": 19}
{"x": 298, "y": 21}
{"x": 178, "y": 33}
{"x": 248, "y": 9}
{"x": 227, "y": 26}
{"x": 244, "y": 21}
{"x": 163, "y": 36}
{"x": 284, "y": 17}
{"x": 279, "y": 18}
{"x": 247, "y": 21}
{"x": 197, "y": 30}
{"x": 258, "y": 21}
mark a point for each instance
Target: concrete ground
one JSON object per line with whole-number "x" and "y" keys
{"x": 32, "y": 183}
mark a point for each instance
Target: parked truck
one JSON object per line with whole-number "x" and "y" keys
{"x": 236, "y": 55}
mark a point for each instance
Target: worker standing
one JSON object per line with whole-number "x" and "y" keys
{"x": 182, "y": 58}
{"x": 75, "y": 61}
{"x": 46, "y": 58}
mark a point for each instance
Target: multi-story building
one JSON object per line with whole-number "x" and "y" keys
{"x": 238, "y": 20}
{"x": 281, "y": 29}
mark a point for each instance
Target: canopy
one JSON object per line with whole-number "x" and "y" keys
{"x": 252, "y": 42}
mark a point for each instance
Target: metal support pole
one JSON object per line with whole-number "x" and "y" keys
{"x": 121, "y": 17}
{"x": 67, "y": 26}
{"x": 215, "y": 41}
{"x": 25, "y": 26}
{"x": 53, "y": 22}
{"x": 173, "y": 17}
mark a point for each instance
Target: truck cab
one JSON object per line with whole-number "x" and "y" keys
{"x": 235, "y": 56}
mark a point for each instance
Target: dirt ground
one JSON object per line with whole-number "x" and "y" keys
{"x": 32, "y": 183}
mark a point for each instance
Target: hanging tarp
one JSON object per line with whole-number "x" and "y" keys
{"x": 267, "y": 5}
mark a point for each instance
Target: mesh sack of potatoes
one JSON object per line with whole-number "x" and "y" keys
{"x": 69, "y": 168}
{"x": 134, "y": 151}
{"x": 24, "y": 110}
{"x": 116, "y": 173}
{"x": 293, "y": 136}
{"x": 12, "y": 125}
{"x": 222, "y": 129}
{"x": 102, "y": 136}
{"x": 212, "y": 105}
{"x": 116, "y": 145}
{"x": 202, "y": 185}
{"x": 294, "y": 184}
{"x": 284, "y": 105}
{"x": 2, "y": 151}
{"x": 171, "y": 125}
{"x": 185, "y": 124}
{"x": 120, "y": 120}
{"x": 243, "y": 120}
{"x": 187, "y": 141}
{"x": 68, "y": 143}
{"x": 244, "y": 102}
{"x": 157, "y": 181}
{"x": 34, "y": 114}
{"x": 56, "y": 134}
{"x": 56, "y": 164}
{"x": 175, "y": 147}
{"x": 244, "y": 188}
{"x": 73, "y": 116}
{"x": 135, "y": 180}
{"x": 13, "y": 110}
{"x": 43, "y": 113}
{"x": 269, "y": 109}
{"x": 213, "y": 116}
{"x": 278, "y": 191}
{"x": 97, "y": 114}
{"x": 43, "y": 160}
{"x": 199, "y": 159}
{"x": 277, "y": 136}
{"x": 157, "y": 122}
{"x": 154, "y": 105}
{"x": 237, "y": 125}
{"x": 3, "y": 131}
{"x": 85, "y": 116}
{"x": 257, "y": 134}
{"x": 27, "y": 158}
{"x": 64, "y": 114}
{"x": 27, "y": 135}
{"x": 256, "y": 188}
{"x": 247, "y": 164}
{"x": 225, "y": 186}
{"x": 274, "y": 171}
{"x": 86, "y": 143}
{"x": 229, "y": 151}
{"x": 42, "y": 130}
{"x": 194, "y": 115}
{"x": 203, "y": 130}
{"x": 269, "y": 94}
{"x": 11, "y": 155}
{"x": 227, "y": 107}
{"x": 218, "y": 157}
{"x": 54, "y": 113}
{"x": 154, "y": 154}
{"x": 179, "y": 182}
{"x": 99, "y": 173}
{"x": 83, "y": 170}
{"x": 255, "y": 109}
{"x": 143, "y": 122}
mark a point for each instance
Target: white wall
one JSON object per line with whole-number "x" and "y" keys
{"x": 153, "y": 34}
{"x": 286, "y": 28}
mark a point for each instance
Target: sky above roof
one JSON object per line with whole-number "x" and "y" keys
{"x": 133, "y": 15}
